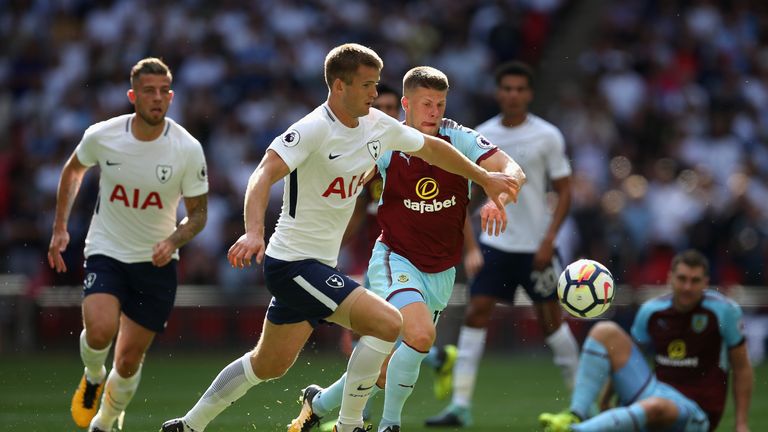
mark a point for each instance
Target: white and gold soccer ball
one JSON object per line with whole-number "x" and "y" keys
{"x": 585, "y": 289}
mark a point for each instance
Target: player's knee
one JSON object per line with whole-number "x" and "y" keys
{"x": 605, "y": 330}
{"x": 477, "y": 318}
{"x": 389, "y": 326}
{"x": 273, "y": 370}
{"x": 128, "y": 362}
{"x": 100, "y": 337}
{"x": 478, "y": 313}
{"x": 420, "y": 340}
{"x": 659, "y": 411}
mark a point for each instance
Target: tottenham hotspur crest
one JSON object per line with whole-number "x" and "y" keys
{"x": 374, "y": 148}
{"x": 335, "y": 281}
{"x": 164, "y": 173}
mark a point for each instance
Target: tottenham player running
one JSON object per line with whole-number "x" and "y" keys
{"x": 421, "y": 212}
{"x": 524, "y": 255}
{"x": 695, "y": 335}
{"x": 326, "y": 157}
{"x": 148, "y": 162}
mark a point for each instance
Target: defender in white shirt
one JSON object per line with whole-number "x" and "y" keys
{"x": 325, "y": 157}
{"x": 148, "y": 163}
{"x": 523, "y": 255}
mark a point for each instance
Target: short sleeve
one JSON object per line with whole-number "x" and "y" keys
{"x": 195, "y": 180}
{"x": 557, "y": 162}
{"x": 298, "y": 142}
{"x": 86, "y": 150}
{"x": 473, "y": 145}
{"x": 640, "y": 325}
{"x": 398, "y": 136}
{"x": 732, "y": 326}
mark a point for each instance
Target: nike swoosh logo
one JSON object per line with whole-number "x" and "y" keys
{"x": 332, "y": 156}
{"x": 406, "y": 386}
{"x": 112, "y": 163}
{"x": 361, "y": 388}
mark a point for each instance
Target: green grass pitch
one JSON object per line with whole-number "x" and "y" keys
{"x": 512, "y": 390}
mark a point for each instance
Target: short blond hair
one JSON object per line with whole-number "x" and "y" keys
{"x": 425, "y": 77}
{"x": 342, "y": 62}
{"x": 152, "y": 66}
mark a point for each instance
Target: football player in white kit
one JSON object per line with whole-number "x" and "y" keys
{"x": 525, "y": 254}
{"x": 148, "y": 162}
{"x": 325, "y": 157}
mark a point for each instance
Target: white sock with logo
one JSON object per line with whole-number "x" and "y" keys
{"x": 228, "y": 386}
{"x": 118, "y": 393}
{"x": 362, "y": 371}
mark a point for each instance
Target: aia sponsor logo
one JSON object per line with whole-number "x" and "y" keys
{"x": 345, "y": 188}
{"x": 135, "y": 198}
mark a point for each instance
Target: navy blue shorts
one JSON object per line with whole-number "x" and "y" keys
{"x": 503, "y": 272}
{"x": 305, "y": 290}
{"x": 146, "y": 293}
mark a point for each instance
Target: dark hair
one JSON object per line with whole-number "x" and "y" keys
{"x": 343, "y": 61}
{"x": 514, "y": 68}
{"x": 150, "y": 65}
{"x": 383, "y": 89}
{"x": 426, "y": 77}
{"x": 691, "y": 258}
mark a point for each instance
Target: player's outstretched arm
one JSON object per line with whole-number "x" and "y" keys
{"x": 271, "y": 169}
{"x": 69, "y": 185}
{"x": 440, "y": 153}
{"x": 188, "y": 228}
{"x": 742, "y": 385}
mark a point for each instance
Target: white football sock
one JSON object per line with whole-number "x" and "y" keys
{"x": 93, "y": 360}
{"x": 566, "y": 353}
{"x": 362, "y": 371}
{"x": 471, "y": 345}
{"x": 230, "y": 385}
{"x": 118, "y": 392}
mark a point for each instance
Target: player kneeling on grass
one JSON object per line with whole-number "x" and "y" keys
{"x": 689, "y": 332}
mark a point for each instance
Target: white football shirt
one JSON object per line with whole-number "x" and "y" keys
{"x": 140, "y": 185}
{"x": 539, "y": 148}
{"x": 328, "y": 163}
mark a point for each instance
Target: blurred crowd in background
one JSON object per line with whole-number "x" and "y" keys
{"x": 666, "y": 122}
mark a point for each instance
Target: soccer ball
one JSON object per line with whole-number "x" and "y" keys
{"x": 585, "y": 289}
